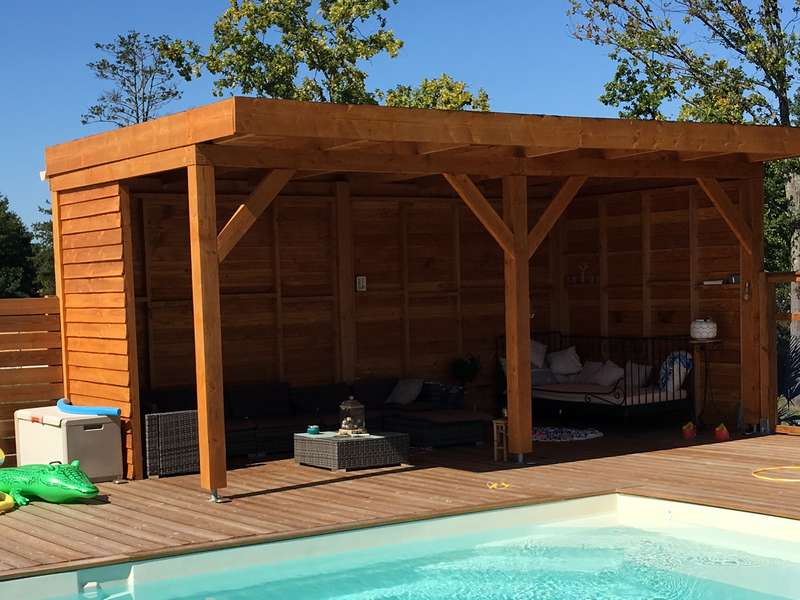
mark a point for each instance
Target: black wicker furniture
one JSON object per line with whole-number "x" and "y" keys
{"x": 344, "y": 452}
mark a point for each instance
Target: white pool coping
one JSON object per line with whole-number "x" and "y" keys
{"x": 762, "y": 535}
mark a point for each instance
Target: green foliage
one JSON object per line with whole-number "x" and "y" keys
{"x": 716, "y": 60}
{"x": 286, "y": 49}
{"x": 722, "y": 61}
{"x": 281, "y": 49}
{"x": 17, "y": 273}
{"x": 43, "y": 253}
{"x": 142, "y": 78}
{"x": 444, "y": 93}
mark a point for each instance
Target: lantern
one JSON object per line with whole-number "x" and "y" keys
{"x": 351, "y": 413}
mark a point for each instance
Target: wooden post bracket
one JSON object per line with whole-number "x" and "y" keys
{"x": 726, "y": 208}
{"x": 248, "y": 212}
{"x": 481, "y": 208}
{"x": 553, "y": 212}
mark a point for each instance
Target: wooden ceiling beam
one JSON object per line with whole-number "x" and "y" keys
{"x": 490, "y": 166}
{"x": 482, "y": 209}
{"x": 425, "y": 149}
{"x": 728, "y": 211}
{"x": 348, "y": 145}
{"x": 248, "y": 212}
{"x": 553, "y": 212}
{"x": 692, "y": 156}
{"x": 540, "y": 151}
{"x": 625, "y": 154}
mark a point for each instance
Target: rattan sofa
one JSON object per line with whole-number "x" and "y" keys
{"x": 260, "y": 419}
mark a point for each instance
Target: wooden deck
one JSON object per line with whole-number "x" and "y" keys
{"x": 280, "y": 499}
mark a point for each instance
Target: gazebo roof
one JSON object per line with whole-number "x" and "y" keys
{"x": 250, "y": 132}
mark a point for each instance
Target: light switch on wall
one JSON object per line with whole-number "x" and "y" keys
{"x": 361, "y": 283}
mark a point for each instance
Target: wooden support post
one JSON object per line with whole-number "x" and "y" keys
{"x": 719, "y": 198}
{"x": 647, "y": 292}
{"x": 207, "y": 327}
{"x": 130, "y": 320}
{"x": 517, "y": 299}
{"x": 751, "y": 264}
{"x": 248, "y": 212}
{"x": 346, "y": 280}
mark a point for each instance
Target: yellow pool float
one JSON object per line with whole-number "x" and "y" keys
{"x": 6, "y": 502}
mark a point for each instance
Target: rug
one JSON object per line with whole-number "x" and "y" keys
{"x": 564, "y": 434}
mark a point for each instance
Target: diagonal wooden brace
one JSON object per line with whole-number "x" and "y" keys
{"x": 248, "y": 212}
{"x": 728, "y": 211}
{"x": 481, "y": 208}
{"x": 553, "y": 212}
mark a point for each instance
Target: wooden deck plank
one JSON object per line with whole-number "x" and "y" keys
{"x": 280, "y": 499}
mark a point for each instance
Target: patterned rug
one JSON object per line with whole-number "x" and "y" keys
{"x": 564, "y": 434}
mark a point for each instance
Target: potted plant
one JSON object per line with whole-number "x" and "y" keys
{"x": 465, "y": 369}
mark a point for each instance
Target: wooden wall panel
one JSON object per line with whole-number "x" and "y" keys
{"x": 434, "y": 281}
{"x": 95, "y": 252}
{"x": 30, "y": 361}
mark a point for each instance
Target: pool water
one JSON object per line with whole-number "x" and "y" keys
{"x": 612, "y": 547}
{"x": 558, "y": 564}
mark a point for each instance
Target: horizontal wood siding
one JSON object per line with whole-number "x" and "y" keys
{"x": 98, "y": 329}
{"x": 434, "y": 281}
{"x": 30, "y": 361}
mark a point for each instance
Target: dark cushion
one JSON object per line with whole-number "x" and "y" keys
{"x": 374, "y": 391}
{"x": 442, "y": 395}
{"x": 319, "y": 399}
{"x": 257, "y": 400}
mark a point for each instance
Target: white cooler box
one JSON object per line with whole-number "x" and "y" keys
{"x": 46, "y": 434}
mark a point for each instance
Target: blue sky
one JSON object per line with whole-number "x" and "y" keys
{"x": 520, "y": 51}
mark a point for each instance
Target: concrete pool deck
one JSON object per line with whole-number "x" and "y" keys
{"x": 279, "y": 499}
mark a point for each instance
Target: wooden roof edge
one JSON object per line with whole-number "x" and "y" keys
{"x": 194, "y": 125}
{"x": 240, "y": 116}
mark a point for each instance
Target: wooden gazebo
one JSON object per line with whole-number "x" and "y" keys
{"x": 652, "y": 207}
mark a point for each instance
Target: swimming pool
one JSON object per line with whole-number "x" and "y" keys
{"x": 607, "y": 547}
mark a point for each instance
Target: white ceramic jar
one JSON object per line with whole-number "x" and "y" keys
{"x": 703, "y": 329}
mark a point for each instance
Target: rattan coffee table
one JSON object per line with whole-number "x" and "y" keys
{"x": 343, "y": 453}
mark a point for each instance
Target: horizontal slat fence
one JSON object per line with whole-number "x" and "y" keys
{"x": 30, "y": 361}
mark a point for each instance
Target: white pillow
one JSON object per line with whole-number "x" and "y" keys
{"x": 405, "y": 391}
{"x": 636, "y": 375}
{"x": 565, "y": 362}
{"x": 589, "y": 372}
{"x": 610, "y": 374}
{"x": 538, "y": 353}
{"x": 570, "y": 378}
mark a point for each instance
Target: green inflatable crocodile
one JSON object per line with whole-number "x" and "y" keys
{"x": 53, "y": 483}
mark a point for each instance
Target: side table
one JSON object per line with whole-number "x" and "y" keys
{"x": 336, "y": 452}
{"x": 702, "y": 347}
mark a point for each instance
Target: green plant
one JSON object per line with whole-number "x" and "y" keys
{"x": 466, "y": 368}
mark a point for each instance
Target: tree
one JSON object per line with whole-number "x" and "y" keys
{"x": 444, "y": 93}
{"x": 284, "y": 49}
{"x": 280, "y": 49}
{"x": 717, "y": 60}
{"x": 43, "y": 253}
{"x": 17, "y": 274}
{"x": 142, "y": 78}
{"x": 706, "y": 60}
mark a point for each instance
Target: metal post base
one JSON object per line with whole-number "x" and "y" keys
{"x": 519, "y": 459}
{"x": 214, "y": 497}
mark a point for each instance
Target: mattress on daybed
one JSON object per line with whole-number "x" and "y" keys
{"x": 588, "y": 393}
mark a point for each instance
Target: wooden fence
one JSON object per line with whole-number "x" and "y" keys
{"x": 30, "y": 361}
